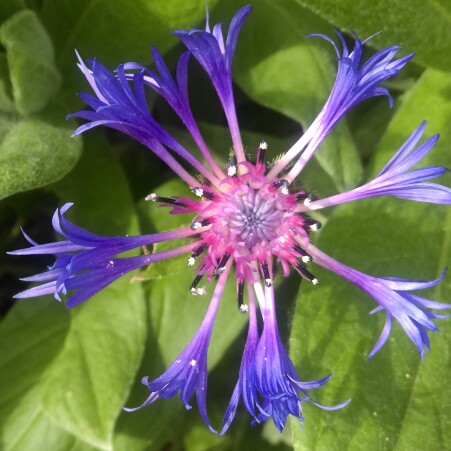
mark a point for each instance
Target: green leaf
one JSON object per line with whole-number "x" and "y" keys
{"x": 278, "y": 67}
{"x": 116, "y": 31}
{"x": 90, "y": 380}
{"x": 29, "y": 50}
{"x": 35, "y": 151}
{"x": 6, "y": 101}
{"x": 398, "y": 401}
{"x": 37, "y": 330}
{"x": 422, "y": 27}
{"x": 9, "y": 8}
{"x": 158, "y": 219}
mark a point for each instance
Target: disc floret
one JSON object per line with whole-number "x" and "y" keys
{"x": 252, "y": 219}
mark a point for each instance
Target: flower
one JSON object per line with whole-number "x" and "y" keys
{"x": 268, "y": 380}
{"x": 392, "y": 295}
{"x": 85, "y": 262}
{"x": 247, "y": 218}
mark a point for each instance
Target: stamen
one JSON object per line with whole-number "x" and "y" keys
{"x": 196, "y": 281}
{"x": 305, "y": 257}
{"x": 306, "y": 197}
{"x": 265, "y": 270}
{"x": 199, "y": 291}
{"x": 221, "y": 267}
{"x": 285, "y": 184}
{"x": 315, "y": 226}
{"x": 191, "y": 261}
{"x": 242, "y": 307}
{"x": 153, "y": 197}
{"x": 231, "y": 169}
{"x": 199, "y": 250}
{"x": 306, "y": 274}
{"x": 208, "y": 195}
{"x": 311, "y": 223}
{"x": 261, "y": 152}
{"x": 309, "y": 199}
{"x": 301, "y": 195}
{"x": 285, "y": 187}
{"x": 199, "y": 192}
{"x": 198, "y": 224}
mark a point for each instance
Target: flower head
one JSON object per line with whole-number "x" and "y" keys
{"x": 247, "y": 218}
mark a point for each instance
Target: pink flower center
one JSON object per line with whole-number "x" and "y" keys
{"x": 253, "y": 220}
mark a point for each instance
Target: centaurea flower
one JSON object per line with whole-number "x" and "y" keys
{"x": 247, "y": 219}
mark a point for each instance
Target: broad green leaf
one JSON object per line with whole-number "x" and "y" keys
{"x": 36, "y": 329}
{"x": 90, "y": 380}
{"x": 6, "y": 101}
{"x": 29, "y": 51}
{"x": 7, "y": 9}
{"x": 242, "y": 436}
{"x": 398, "y": 401}
{"x": 420, "y": 27}
{"x": 429, "y": 100}
{"x": 35, "y": 151}
{"x": 116, "y": 31}
{"x": 278, "y": 67}
{"x": 10, "y": 7}
{"x": 30, "y": 337}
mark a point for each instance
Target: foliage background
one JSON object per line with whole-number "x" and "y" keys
{"x": 64, "y": 376}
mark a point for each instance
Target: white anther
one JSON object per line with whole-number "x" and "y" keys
{"x": 308, "y": 200}
{"x": 315, "y": 227}
{"x": 231, "y": 169}
{"x": 151, "y": 197}
{"x": 282, "y": 239}
{"x": 220, "y": 270}
{"x": 244, "y": 308}
{"x": 263, "y": 145}
{"x": 315, "y": 281}
{"x": 191, "y": 261}
{"x": 306, "y": 259}
{"x": 285, "y": 187}
{"x": 199, "y": 192}
{"x": 196, "y": 225}
{"x": 268, "y": 282}
{"x": 198, "y": 291}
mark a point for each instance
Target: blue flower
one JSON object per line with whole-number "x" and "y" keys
{"x": 268, "y": 382}
{"x": 85, "y": 262}
{"x": 392, "y": 295}
{"x": 395, "y": 181}
{"x": 246, "y": 218}
{"x": 188, "y": 373}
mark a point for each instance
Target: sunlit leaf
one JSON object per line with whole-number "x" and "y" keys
{"x": 333, "y": 332}
{"x": 421, "y": 27}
